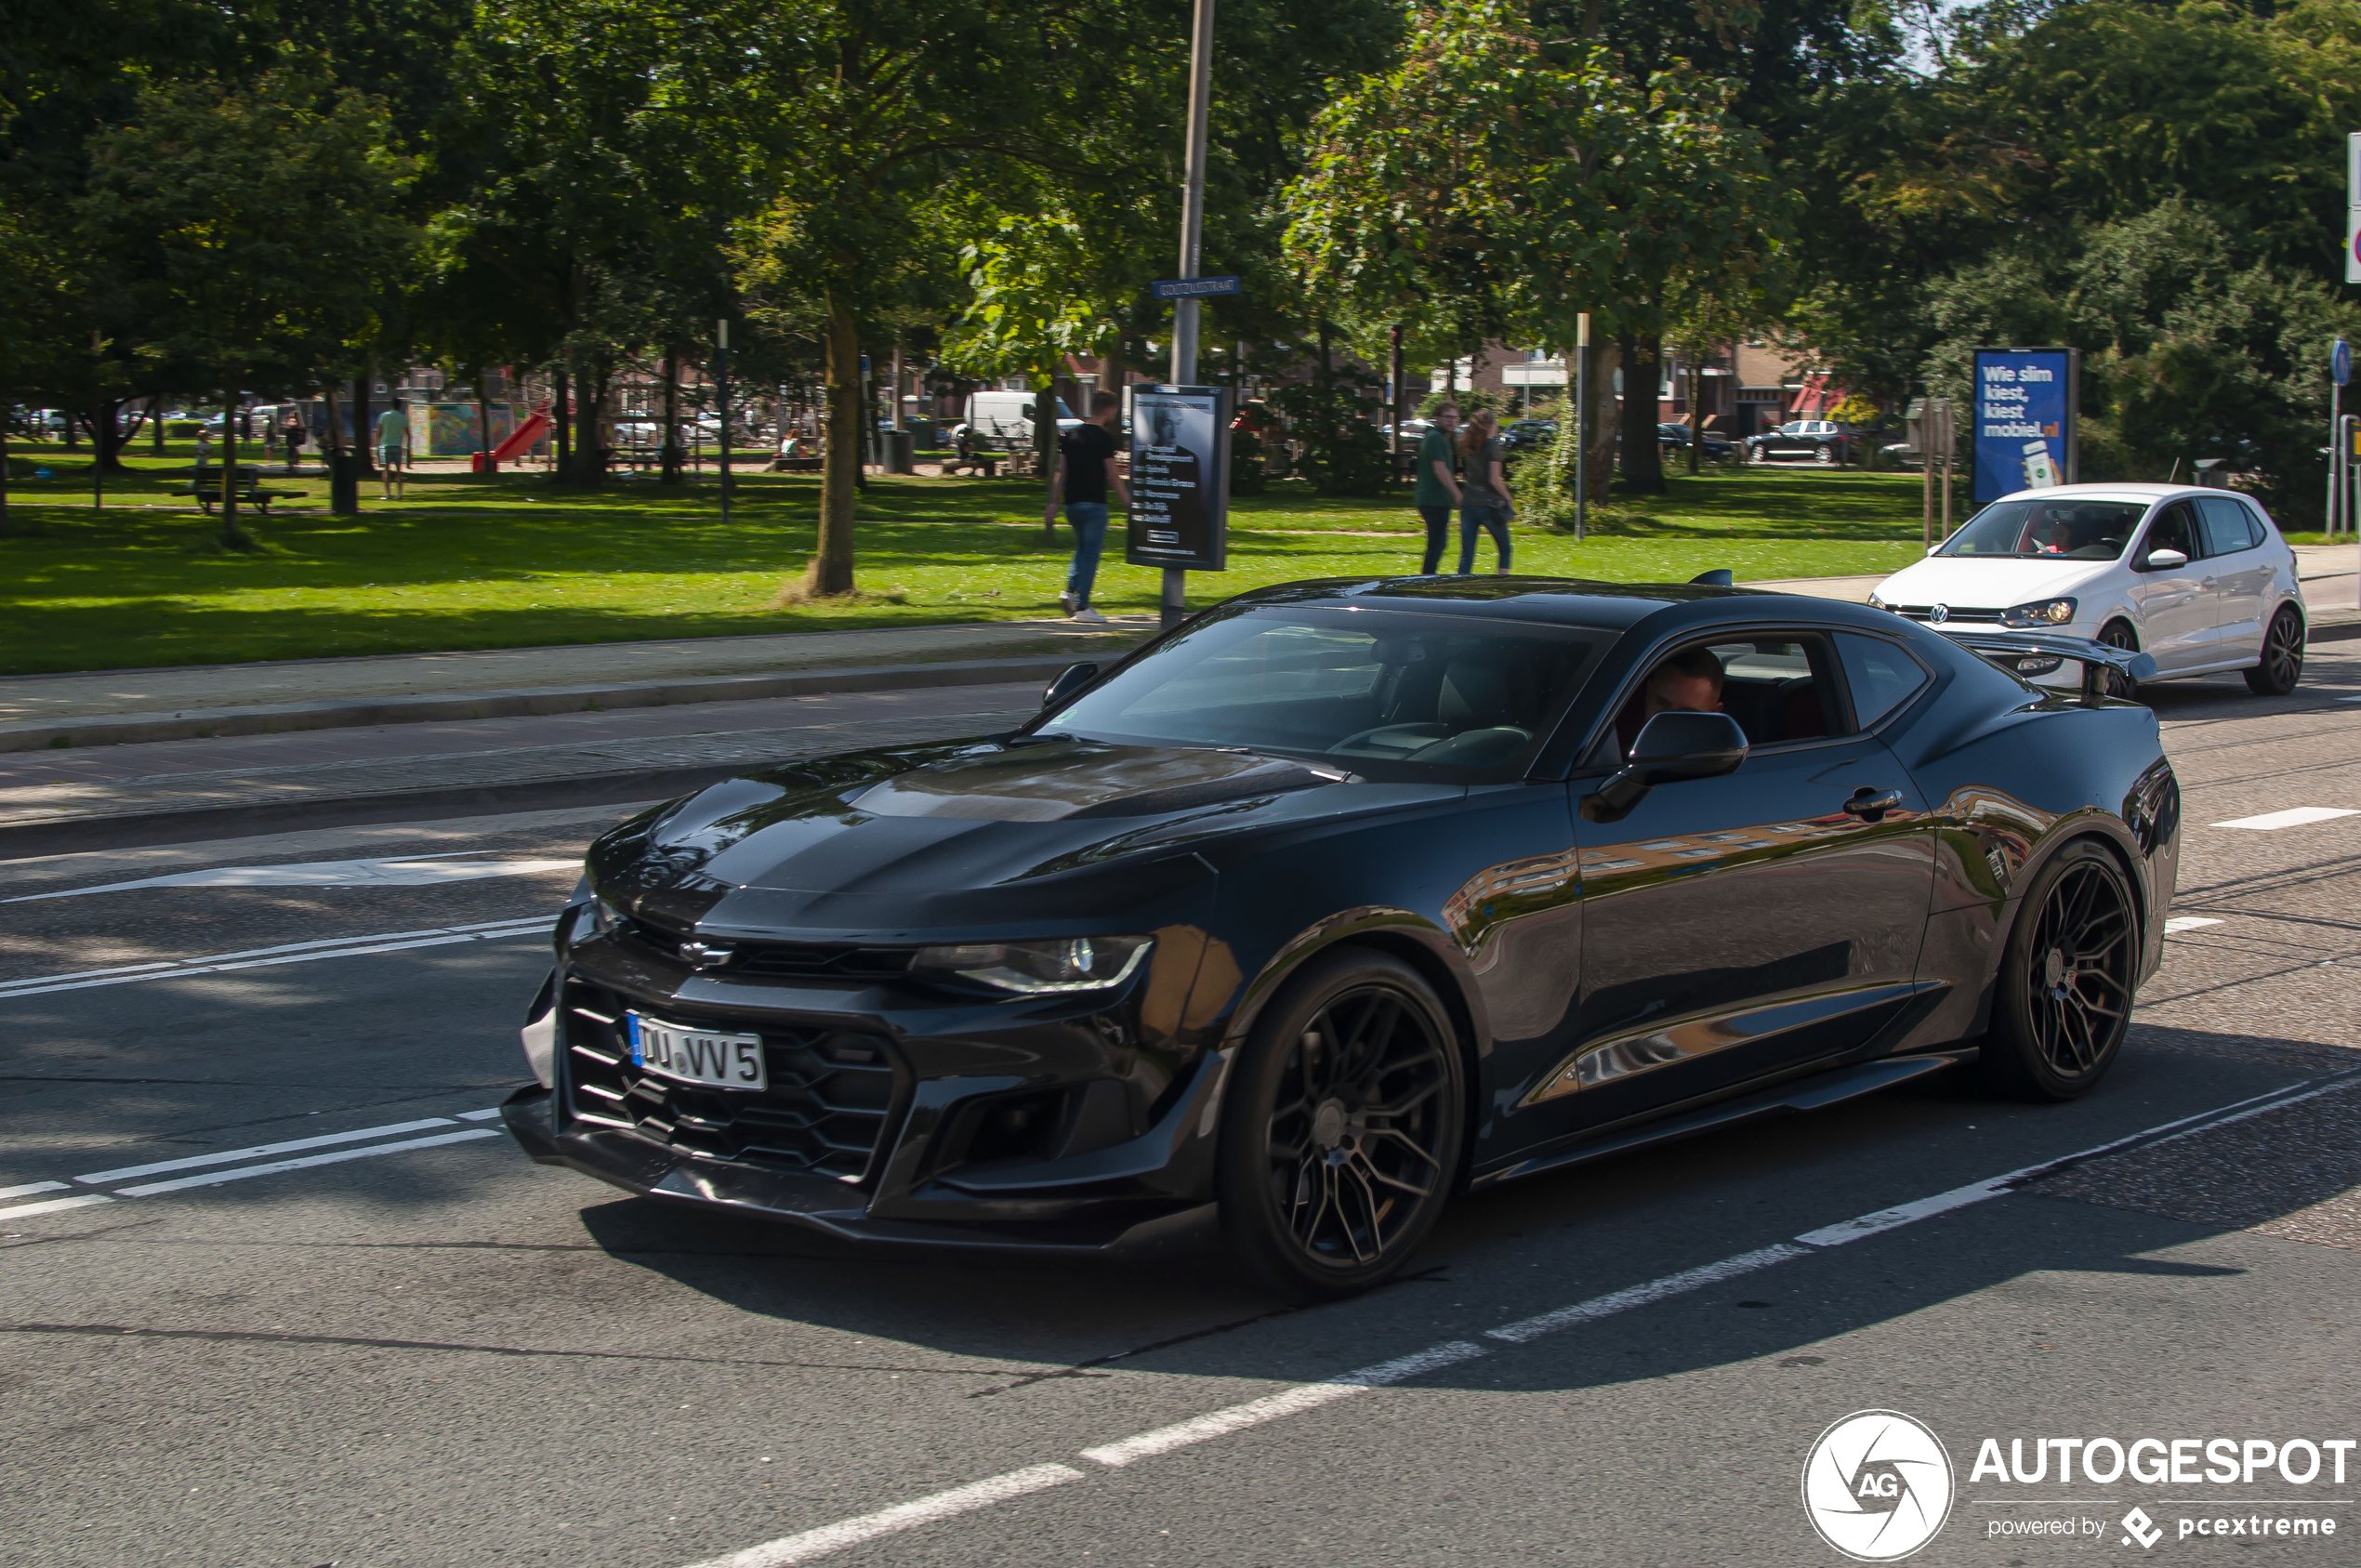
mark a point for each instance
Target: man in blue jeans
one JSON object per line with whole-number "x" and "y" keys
{"x": 1085, "y": 472}
{"x": 1436, "y": 492}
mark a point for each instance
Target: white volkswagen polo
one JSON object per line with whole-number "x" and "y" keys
{"x": 2199, "y": 580}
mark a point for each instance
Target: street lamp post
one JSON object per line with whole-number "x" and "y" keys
{"x": 1581, "y": 423}
{"x": 1174, "y": 602}
{"x": 721, "y": 385}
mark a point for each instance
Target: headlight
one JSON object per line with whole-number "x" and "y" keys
{"x": 2048, "y": 612}
{"x": 1063, "y": 964}
{"x": 1877, "y": 603}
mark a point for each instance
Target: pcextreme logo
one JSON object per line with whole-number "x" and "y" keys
{"x": 1878, "y": 1485}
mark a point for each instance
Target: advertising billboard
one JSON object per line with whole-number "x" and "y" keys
{"x": 2025, "y": 435}
{"x": 1180, "y": 477}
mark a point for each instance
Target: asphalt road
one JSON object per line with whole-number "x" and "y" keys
{"x": 413, "y": 1347}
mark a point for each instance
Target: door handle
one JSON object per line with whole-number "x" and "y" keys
{"x": 1870, "y": 803}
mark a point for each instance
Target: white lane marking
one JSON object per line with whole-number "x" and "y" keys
{"x": 1238, "y": 1417}
{"x": 2294, "y": 816}
{"x": 1643, "y": 1294}
{"x": 260, "y": 1151}
{"x": 813, "y": 1543}
{"x": 294, "y": 952}
{"x": 790, "y": 1549}
{"x": 31, "y": 1187}
{"x": 53, "y": 1205}
{"x": 479, "y": 1115}
{"x": 216, "y": 1178}
{"x": 2180, "y": 923}
{"x": 410, "y": 871}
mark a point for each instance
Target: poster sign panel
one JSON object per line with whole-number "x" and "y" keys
{"x": 1180, "y": 477}
{"x": 2024, "y": 408}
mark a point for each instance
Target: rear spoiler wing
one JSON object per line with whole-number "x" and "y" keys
{"x": 2031, "y": 654}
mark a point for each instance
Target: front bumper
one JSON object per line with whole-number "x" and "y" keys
{"x": 822, "y": 1204}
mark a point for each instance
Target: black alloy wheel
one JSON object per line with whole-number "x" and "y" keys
{"x": 2118, "y": 634}
{"x": 1341, "y": 1128}
{"x": 2065, "y": 1000}
{"x": 2282, "y": 662}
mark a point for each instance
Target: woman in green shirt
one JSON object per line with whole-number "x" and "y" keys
{"x": 1484, "y": 500}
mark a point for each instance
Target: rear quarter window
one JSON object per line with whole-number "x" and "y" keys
{"x": 1882, "y": 676}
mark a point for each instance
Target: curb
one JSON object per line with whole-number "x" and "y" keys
{"x": 281, "y": 717}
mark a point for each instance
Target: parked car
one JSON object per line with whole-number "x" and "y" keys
{"x": 1815, "y": 441}
{"x": 2199, "y": 579}
{"x": 1003, "y": 421}
{"x": 1673, "y": 436}
{"x": 1345, "y": 897}
{"x": 1527, "y": 435}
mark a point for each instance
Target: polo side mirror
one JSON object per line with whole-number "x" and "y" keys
{"x": 1072, "y": 678}
{"x": 2165, "y": 561}
{"x": 1670, "y": 746}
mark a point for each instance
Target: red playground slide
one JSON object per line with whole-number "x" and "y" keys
{"x": 521, "y": 440}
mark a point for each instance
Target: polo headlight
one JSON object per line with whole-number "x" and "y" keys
{"x": 2046, "y": 612}
{"x": 1059, "y": 964}
{"x": 1877, "y": 603}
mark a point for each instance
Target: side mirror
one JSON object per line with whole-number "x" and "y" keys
{"x": 1072, "y": 678}
{"x": 2165, "y": 561}
{"x": 1670, "y": 746}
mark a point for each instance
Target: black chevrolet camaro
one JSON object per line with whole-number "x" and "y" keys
{"x": 1342, "y": 897}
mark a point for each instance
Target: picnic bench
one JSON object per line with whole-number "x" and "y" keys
{"x": 207, "y": 488}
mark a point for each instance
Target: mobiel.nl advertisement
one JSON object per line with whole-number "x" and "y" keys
{"x": 1180, "y": 491}
{"x": 2025, "y": 417}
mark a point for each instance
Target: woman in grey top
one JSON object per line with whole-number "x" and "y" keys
{"x": 1483, "y": 498}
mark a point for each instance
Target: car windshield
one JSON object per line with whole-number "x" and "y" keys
{"x": 2078, "y": 529}
{"x": 1390, "y": 695}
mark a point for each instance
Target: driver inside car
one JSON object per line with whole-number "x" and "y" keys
{"x": 1688, "y": 681}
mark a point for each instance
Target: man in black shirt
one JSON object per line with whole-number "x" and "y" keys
{"x": 1086, "y": 470}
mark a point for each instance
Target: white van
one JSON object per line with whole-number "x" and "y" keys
{"x": 1004, "y": 420}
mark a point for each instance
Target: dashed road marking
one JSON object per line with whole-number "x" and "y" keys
{"x": 2180, "y": 923}
{"x": 2294, "y": 816}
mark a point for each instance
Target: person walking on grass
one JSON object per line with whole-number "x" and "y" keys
{"x": 1085, "y": 472}
{"x": 1484, "y": 499}
{"x": 393, "y": 438}
{"x": 1437, "y": 491}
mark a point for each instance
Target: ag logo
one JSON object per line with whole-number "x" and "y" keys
{"x": 1878, "y": 1485}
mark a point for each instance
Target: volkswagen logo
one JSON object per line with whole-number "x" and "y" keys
{"x": 706, "y": 955}
{"x": 1939, "y": 615}
{"x": 1878, "y": 1485}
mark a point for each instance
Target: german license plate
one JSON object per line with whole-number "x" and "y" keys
{"x": 698, "y": 1056}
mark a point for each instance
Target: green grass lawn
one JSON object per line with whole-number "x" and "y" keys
{"x": 471, "y": 561}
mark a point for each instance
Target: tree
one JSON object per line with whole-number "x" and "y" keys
{"x": 251, "y": 233}
{"x": 1500, "y": 183}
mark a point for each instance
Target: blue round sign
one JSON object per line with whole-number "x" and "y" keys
{"x": 2340, "y": 363}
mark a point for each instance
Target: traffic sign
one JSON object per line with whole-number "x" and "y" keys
{"x": 1196, "y": 288}
{"x": 2340, "y": 363}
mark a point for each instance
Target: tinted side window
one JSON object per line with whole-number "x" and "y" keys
{"x": 1778, "y": 688}
{"x": 2171, "y": 531}
{"x": 2226, "y": 525}
{"x": 1882, "y": 677}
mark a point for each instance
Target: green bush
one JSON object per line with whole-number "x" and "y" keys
{"x": 1329, "y": 417}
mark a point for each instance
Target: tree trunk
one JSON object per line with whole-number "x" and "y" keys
{"x": 1642, "y": 377}
{"x": 484, "y": 418}
{"x": 1045, "y": 436}
{"x": 229, "y": 534}
{"x": 1605, "y": 359}
{"x": 4, "y": 466}
{"x": 831, "y": 569}
{"x": 561, "y": 420}
{"x": 363, "y": 445}
{"x": 1696, "y": 414}
{"x": 669, "y": 462}
{"x": 155, "y": 424}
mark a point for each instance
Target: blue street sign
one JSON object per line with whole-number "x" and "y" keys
{"x": 2340, "y": 363}
{"x": 1196, "y": 288}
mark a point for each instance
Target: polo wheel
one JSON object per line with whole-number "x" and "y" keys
{"x": 2065, "y": 997}
{"x": 1341, "y": 1128}
{"x": 2118, "y": 634}
{"x": 1825, "y": 457}
{"x": 2282, "y": 662}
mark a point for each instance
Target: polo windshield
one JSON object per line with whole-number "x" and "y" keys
{"x": 2075, "y": 530}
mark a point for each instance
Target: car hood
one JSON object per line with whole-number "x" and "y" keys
{"x": 1987, "y": 585}
{"x": 986, "y": 833}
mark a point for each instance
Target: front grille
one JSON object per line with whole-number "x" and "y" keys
{"x": 1958, "y": 615}
{"x": 832, "y": 1092}
{"x": 785, "y": 961}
